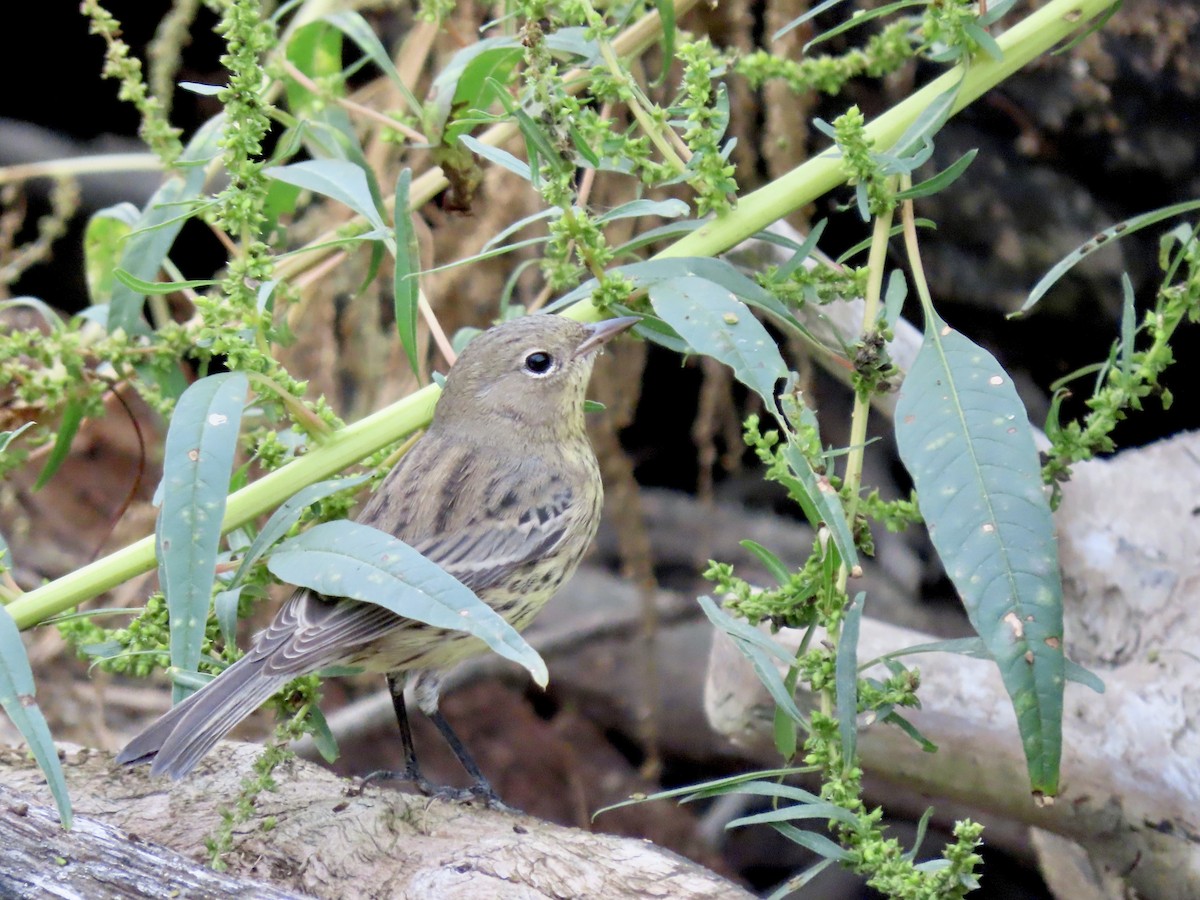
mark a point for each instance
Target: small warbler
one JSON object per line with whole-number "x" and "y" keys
{"x": 503, "y": 492}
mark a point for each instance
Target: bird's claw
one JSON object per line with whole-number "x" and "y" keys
{"x": 481, "y": 791}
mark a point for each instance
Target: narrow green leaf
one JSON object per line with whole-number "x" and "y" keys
{"x": 974, "y": 647}
{"x": 469, "y": 81}
{"x": 68, "y": 427}
{"x": 323, "y": 738}
{"x": 860, "y": 17}
{"x": 796, "y": 882}
{"x": 759, "y": 787}
{"x": 772, "y": 562}
{"x": 666, "y": 209}
{"x": 894, "y": 718}
{"x": 1128, "y": 324}
{"x": 349, "y": 559}
{"x": 717, "y": 786}
{"x": 225, "y": 607}
{"x": 984, "y": 40}
{"x": 920, "y": 133}
{"x": 1094, "y": 243}
{"x": 800, "y": 20}
{"x": 996, "y": 11}
{"x": 159, "y": 287}
{"x": 203, "y": 90}
{"x": 941, "y": 180}
{"x": 894, "y": 297}
{"x": 7, "y": 437}
{"x": 497, "y": 239}
{"x": 817, "y": 843}
{"x": 502, "y": 158}
{"x": 919, "y": 837}
{"x": 334, "y": 178}
{"x": 355, "y": 27}
{"x": 755, "y": 647}
{"x": 17, "y": 699}
{"x": 197, "y": 462}
{"x": 820, "y": 501}
{"x": 159, "y": 224}
{"x": 818, "y": 810}
{"x": 964, "y": 437}
{"x": 666, "y": 14}
{"x": 846, "y": 679}
{"x": 803, "y": 252}
{"x": 407, "y": 286}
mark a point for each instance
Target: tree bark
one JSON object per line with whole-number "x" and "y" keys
{"x": 315, "y": 835}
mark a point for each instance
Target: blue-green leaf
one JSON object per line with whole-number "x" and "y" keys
{"x": 667, "y": 209}
{"x": 502, "y": 158}
{"x": 349, "y": 559}
{"x": 772, "y": 562}
{"x": 334, "y": 178}
{"x": 817, "y": 843}
{"x": 225, "y": 607}
{"x": 712, "y": 320}
{"x": 816, "y": 810}
{"x": 287, "y": 515}
{"x": 755, "y": 647}
{"x": 964, "y": 437}
{"x": 197, "y": 462}
{"x": 1098, "y": 240}
{"x": 17, "y": 699}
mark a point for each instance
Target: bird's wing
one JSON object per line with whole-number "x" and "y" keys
{"x": 311, "y": 631}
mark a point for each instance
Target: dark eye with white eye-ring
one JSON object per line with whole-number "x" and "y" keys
{"x": 539, "y": 363}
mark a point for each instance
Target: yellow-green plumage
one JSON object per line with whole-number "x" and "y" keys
{"x": 503, "y": 492}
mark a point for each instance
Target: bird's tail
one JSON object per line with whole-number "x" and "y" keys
{"x": 179, "y": 739}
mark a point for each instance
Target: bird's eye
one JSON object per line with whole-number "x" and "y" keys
{"x": 539, "y": 362}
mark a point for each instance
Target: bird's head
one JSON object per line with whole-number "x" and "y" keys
{"x": 529, "y": 373}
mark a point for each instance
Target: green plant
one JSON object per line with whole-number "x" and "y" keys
{"x": 554, "y": 90}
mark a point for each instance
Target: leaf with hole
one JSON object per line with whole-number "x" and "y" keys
{"x": 964, "y": 437}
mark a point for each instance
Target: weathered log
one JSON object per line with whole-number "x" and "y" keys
{"x": 316, "y": 835}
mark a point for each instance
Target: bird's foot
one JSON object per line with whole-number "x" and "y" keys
{"x": 481, "y": 791}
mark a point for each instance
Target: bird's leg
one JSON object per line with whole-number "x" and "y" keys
{"x": 411, "y": 771}
{"x": 427, "y": 690}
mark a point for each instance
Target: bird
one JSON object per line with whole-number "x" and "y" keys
{"x": 503, "y": 491}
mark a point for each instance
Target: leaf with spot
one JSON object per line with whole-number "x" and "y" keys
{"x": 17, "y": 699}
{"x": 349, "y": 559}
{"x": 714, "y": 322}
{"x": 197, "y": 463}
{"x": 964, "y": 437}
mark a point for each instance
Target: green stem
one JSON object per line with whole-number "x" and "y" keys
{"x": 862, "y": 398}
{"x": 343, "y": 449}
{"x": 1022, "y": 43}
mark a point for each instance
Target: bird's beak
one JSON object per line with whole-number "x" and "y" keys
{"x": 600, "y": 333}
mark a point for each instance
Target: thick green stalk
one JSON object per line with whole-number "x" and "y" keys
{"x": 1022, "y": 43}
{"x": 343, "y": 449}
